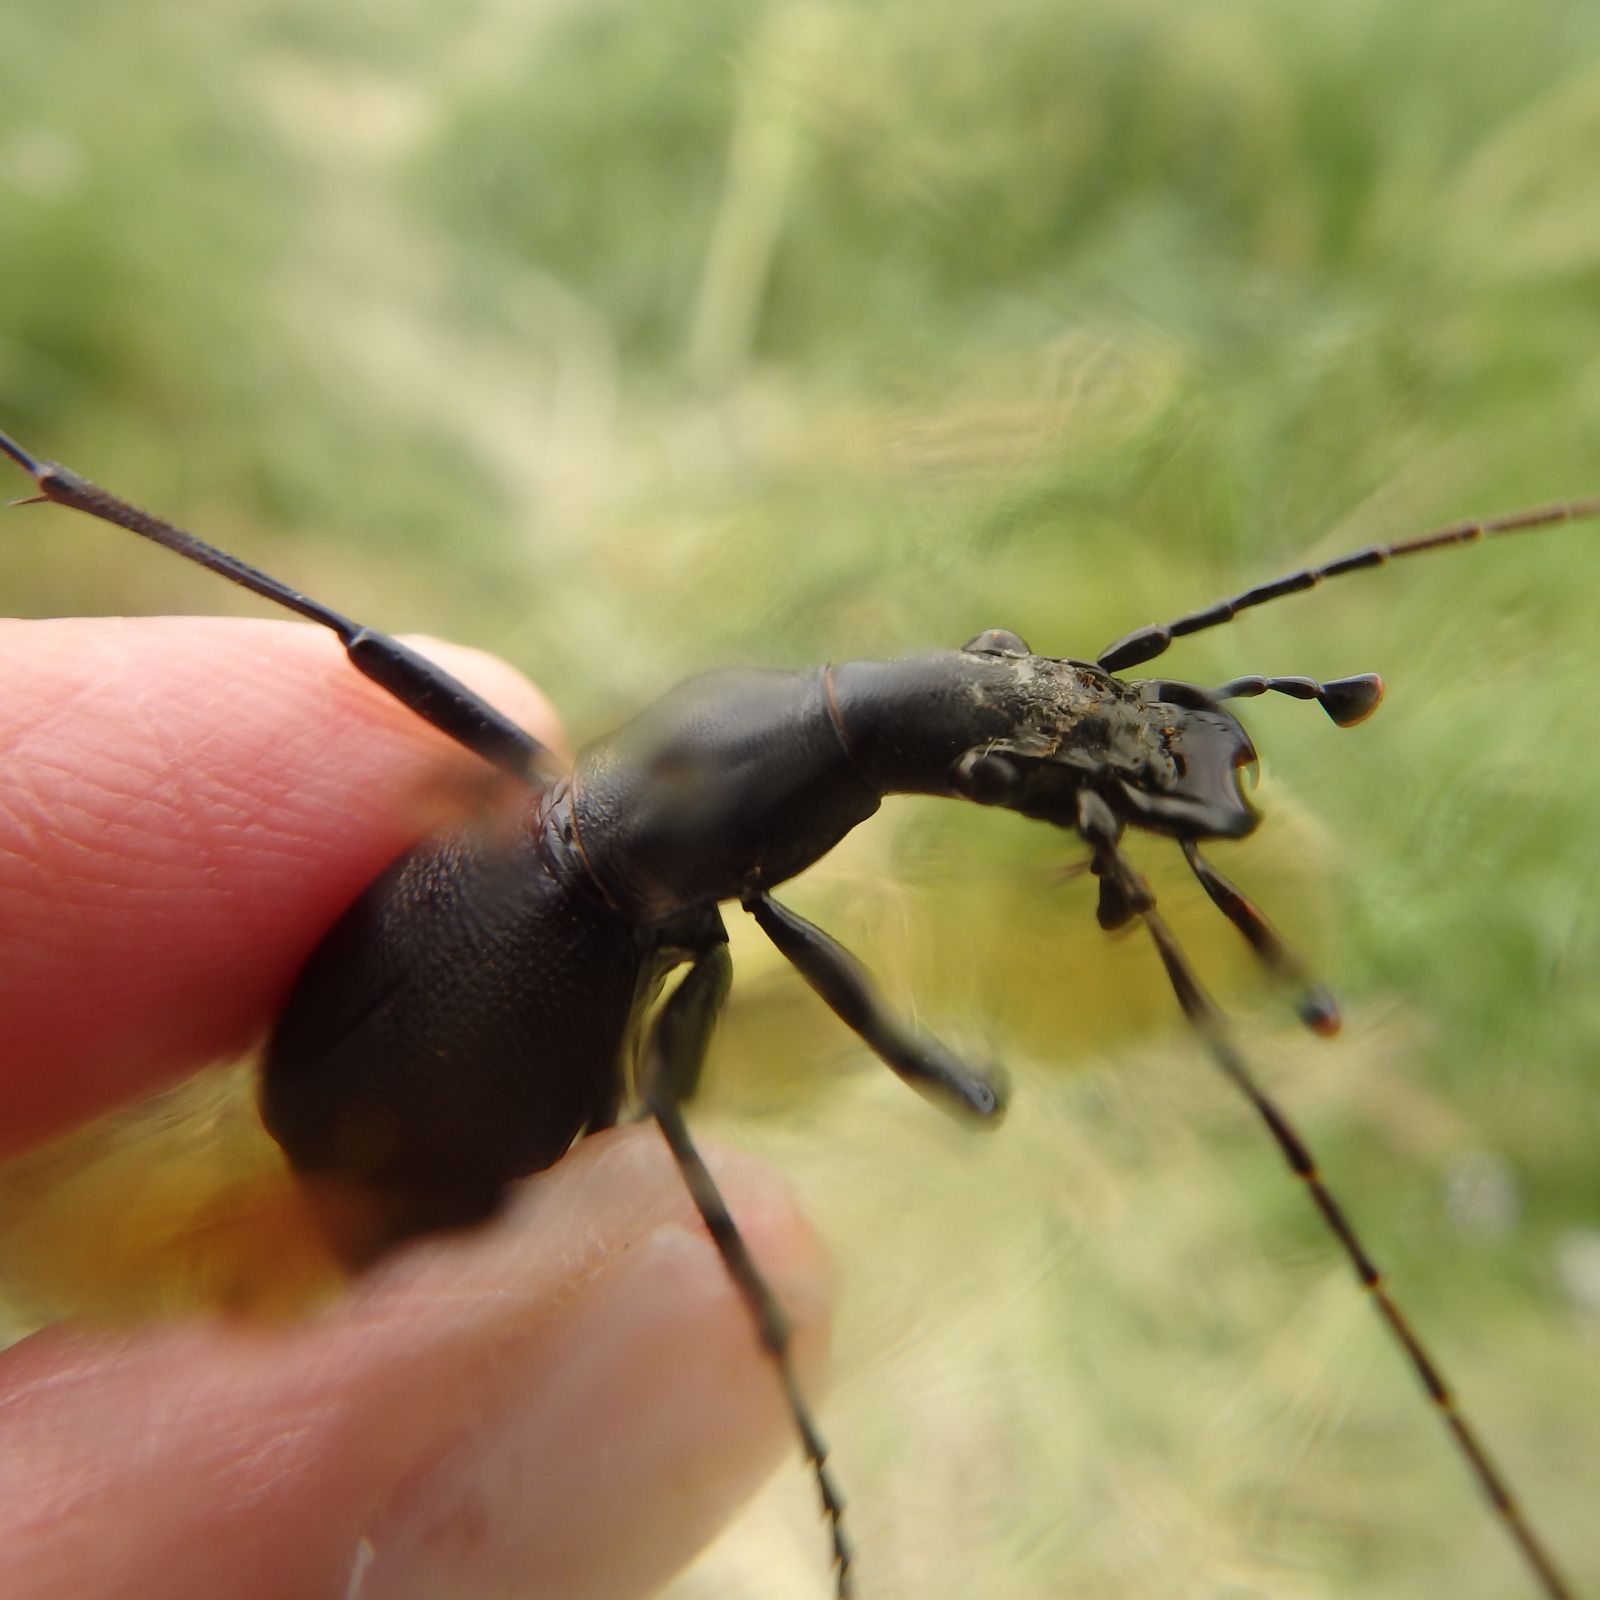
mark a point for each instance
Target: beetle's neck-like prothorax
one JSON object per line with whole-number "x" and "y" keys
{"x": 907, "y": 723}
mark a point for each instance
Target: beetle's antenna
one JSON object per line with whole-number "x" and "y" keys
{"x": 1316, "y": 1006}
{"x": 1346, "y": 700}
{"x": 413, "y": 680}
{"x": 1145, "y": 644}
{"x": 1131, "y": 893}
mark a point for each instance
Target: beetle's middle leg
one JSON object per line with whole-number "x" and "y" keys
{"x": 673, "y": 1055}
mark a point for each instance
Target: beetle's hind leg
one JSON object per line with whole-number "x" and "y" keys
{"x": 674, "y": 1052}
{"x": 412, "y": 679}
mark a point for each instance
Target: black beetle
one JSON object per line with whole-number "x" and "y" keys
{"x": 416, "y": 1070}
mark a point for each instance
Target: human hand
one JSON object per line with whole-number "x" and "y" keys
{"x": 566, "y": 1403}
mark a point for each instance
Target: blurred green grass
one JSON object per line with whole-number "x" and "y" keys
{"x": 630, "y": 342}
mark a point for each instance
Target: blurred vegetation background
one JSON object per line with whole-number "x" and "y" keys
{"x": 634, "y": 340}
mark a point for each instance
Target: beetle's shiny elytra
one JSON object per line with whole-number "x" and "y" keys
{"x": 416, "y": 1069}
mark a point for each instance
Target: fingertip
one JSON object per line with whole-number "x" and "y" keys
{"x": 625, "y": 1429}
{"x": 570, "y": 1403}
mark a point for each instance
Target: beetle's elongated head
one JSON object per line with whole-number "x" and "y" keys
{"x": 998, "y": 725}
{"x": 1156, "y": 754}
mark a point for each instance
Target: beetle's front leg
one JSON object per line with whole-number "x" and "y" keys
{"x": 843, "y": 982}
{"x": 674, "y": 1053}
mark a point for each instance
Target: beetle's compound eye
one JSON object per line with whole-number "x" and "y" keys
{"x": 995, "y": 642}
{"x": 987, "y": 778}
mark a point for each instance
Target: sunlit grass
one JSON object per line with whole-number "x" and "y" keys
{"x": 632, "y": 341}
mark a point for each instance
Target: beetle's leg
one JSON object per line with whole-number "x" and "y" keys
{"x": 1101, "y": 831}
{"x": 412, "y": 679}
{"x": 673, "y": 1056}
{"x": 843, "y": 982}
{"x": 1318, "y": 1009}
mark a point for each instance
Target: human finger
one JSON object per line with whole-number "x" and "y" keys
{"x": 567, "y": 1404}
{"x": 186, "y": 804}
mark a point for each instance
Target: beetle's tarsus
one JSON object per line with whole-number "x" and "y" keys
{"x": 1316, "y": 1007}
{"x": 20, "y": 456}
{"x": 1320, "y": 1012}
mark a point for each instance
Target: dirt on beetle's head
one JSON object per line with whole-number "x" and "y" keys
{"x": 1165, "y": 756}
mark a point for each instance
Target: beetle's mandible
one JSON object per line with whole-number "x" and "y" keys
{"x": 473, "y": 1013}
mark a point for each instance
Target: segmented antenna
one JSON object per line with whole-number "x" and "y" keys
{"x": 1100, "y": 831}
{"x": 1145, "y": 644}
{"x": 412, "y": 679}
{"x": 1346, "y": 700}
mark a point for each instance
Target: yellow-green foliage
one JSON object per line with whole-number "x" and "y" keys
{"x": 178, "y": 1204}
{"x": 631, "y": 339}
